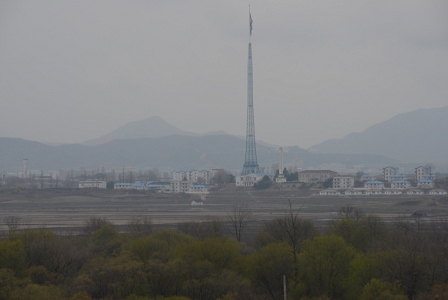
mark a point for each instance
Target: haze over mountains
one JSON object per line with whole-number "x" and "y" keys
{"x": 169, "y": 152}
{"x": 417, "y": 136}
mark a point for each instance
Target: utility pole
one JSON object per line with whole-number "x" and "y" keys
{"x": 284, "y": 287}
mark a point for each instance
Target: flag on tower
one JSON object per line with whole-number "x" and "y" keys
{"x": 250, "y": 23}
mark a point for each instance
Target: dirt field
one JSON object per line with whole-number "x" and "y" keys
{"x": 67, "y": 209}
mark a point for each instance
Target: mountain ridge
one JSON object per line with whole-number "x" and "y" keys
{"x": 416, "y": 136}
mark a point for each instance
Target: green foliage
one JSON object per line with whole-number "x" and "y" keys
{"x": 12, "y": 256}
{"x": 263, "y": 184}
{"x": 327, "y": 183}
{"x": 266, "y": 268}
{"x": 8, "y": 283}
{"x": 150, "y": 247}
{"x": 223, "y": 253}
{"x": 324, "y": 267}
{"x": 35, "y": 291}
{"x": 380, "y": 290}
{"x": 360, "y": 232}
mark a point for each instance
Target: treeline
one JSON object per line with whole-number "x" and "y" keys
{"x": 358, "y": 256}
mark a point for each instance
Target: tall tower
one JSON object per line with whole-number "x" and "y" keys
{"x": 25, "y": 168}
{"x": 280, "y": 178}
{"x": 250, "y": 162}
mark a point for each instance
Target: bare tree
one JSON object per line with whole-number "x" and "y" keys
{"x": 211, "y": 227}
{"x": 239, "y": 218}
{"x": 141, "y": 225}
{"x": 350, "y": 212}
{"x": 12, "y": 222}
{"x": 93, "y": 224}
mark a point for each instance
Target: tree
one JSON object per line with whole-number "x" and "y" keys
{"x": 93, "y": 224}
{"x": 12, "y": 222}
{"x": 328, "y": 183}
{"x": 142, "y": 225}
{"x": 239, "y": 218}
{"x": 324, "y": 265}
{"x": 212, "y": 227}
{"x": 264, "y": 183}
{"x": 380, "y": 290}
{"x": 350, "y": 212}
{"x": 110, "y": 185}
{"x": 267, "y": 267}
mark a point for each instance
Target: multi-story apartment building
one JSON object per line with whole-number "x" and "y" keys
{"x": 388, "y": 171}
{"x": 343, "y": 182}
{"x": 313, "y": 176}
{"x": 196, "y": 176}
{"x": 421, "y": 171}
{"x": 400, "y": 184}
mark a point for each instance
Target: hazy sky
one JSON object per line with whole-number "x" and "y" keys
{"x": 71, "y": 71}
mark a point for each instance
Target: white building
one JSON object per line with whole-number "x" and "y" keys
{"x": 329, "y": 192}
{"x": 197, "y": 189}
{"x": 195, "y": 176}
{"x": 400, "y": 184}
{"x": 388, "y": 171}
{"x": 398, "y": 177}
{"x": 343, "y": 182}
{"x": 123, "y": 186}
{"x": 368, "y": 177}
{"x": 374, "y": 185}
{"x": 92, "y": 184}
{"x": 392, "y": 192}
{"x": 415, "y": 192}
{"x": 437, "y": 192}
{"x": 180, "y": 186}
{"x": 425, "y": 184}
{"x": 249, "y": 179}
{"x": 313, "y": 176}
{"x": 421, "y": 171}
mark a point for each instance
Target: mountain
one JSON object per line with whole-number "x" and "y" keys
{"x": 419, "y": 136}
{"x": 168, "y": 152}
{"x": 152, "y": 127}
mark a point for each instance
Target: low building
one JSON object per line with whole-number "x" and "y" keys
{"x": 85, "y": 184}
{"x": 374, "y": 185}
{"x": 415, "y": 192}
{"x": 353, "y": 192}
{"x": 314, "y": 176}
{"x": 425, "y": 183}
{"x": 329, "y": 192}
{"x": 343, "y": 182}
{"x": 437, "y": 192}
{"x": 367, "y": 177}
{"x": 392, "y": 192}
{"x": 197, "y": 189}
{"x": 400, "y": 184}
{"x": 249, "y": 179}
{"x": 398, "y": 177}
{"x": 123, "y": 186}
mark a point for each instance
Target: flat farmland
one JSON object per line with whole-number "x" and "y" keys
{"x": 67, "y": 209}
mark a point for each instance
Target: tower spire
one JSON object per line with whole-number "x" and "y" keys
{"x": 250, "y": 162}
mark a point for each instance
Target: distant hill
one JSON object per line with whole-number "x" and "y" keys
{"x": 152, "y": 127}
{"x": 169, "y": 152}
{"x": 419, "y": 136}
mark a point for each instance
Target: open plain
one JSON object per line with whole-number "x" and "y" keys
{"x": 66, "y": 210}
